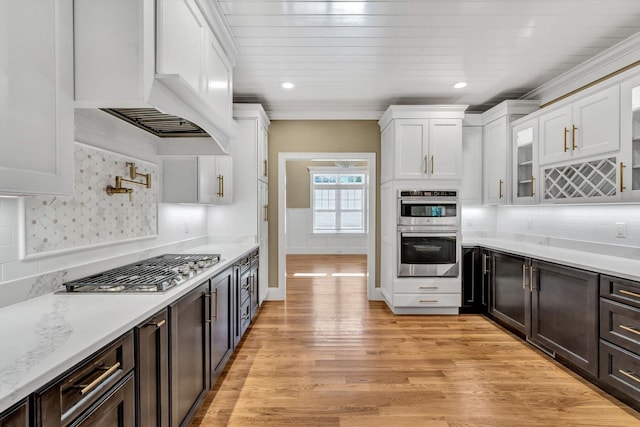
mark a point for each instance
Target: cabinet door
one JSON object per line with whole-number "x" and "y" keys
{"x": 386, "y": 153}
{"x": 152, "y": 371}
{"x": 221, "y": 328}
{"x": 555, "y": 135}
{"x": 253, "y": 290}
{"x": 263, "y": 153}
{"x": 180, "y": 180}
{"x": 629, "y": 178}
{"x": 564, "y": 313}
{"x": 410, "y": 149}
{"x": 118, "y": 410}
{"x": 36, "y": 98}
{"x": 597, "y": 123}
{"x": 525, "y": 163}
{"x": 189, "y": 358}
{"x": 471, "y": 281}
{"x": 471, "y": 184}
{"x": 263, "y": 240}
{"x": 508, "y": 297}
{"x": 16, "y": 417}
{"x": 495, "y": 161}
{"x": 181, "y": 32}
{"x": 445, "y": 148}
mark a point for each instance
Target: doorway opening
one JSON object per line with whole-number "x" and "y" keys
{"x": 326, "y": 220}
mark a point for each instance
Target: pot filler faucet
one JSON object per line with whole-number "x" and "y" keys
{"x": 133, "y": 173}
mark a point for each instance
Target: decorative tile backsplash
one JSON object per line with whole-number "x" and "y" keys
{"x": 92, "y": 217}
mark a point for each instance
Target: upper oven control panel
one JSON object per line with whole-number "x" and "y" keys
{"x": 426, "y": 193}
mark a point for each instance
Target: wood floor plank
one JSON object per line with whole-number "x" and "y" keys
{"x": 328, "y": 357}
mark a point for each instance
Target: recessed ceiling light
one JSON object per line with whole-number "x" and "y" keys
{"x": 460, "y": 85}
{"x": 287, "y": 85}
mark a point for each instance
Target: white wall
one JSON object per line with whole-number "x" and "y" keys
{"x": 590, "y": 228}
{"x": 29, "y": 278}
{"x": 300, "y": 239}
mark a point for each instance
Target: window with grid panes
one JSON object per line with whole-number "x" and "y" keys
{"x": 338, "y": 201}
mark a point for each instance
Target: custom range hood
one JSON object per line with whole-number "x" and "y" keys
{"x": 131, "y": 63}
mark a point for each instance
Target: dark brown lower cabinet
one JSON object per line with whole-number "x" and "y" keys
{"x": 189, "y": 320}
{"x": 152, "y": 371}
{"x": 98, "y": 391}
{"x": 222, "y": 325}
{"x": 18, "y": 416}
{"x": 564, "y": 313}
{"x": 475, "y": 291}
{"x": 116, "y": 410}
{"x": 509, "y": 301}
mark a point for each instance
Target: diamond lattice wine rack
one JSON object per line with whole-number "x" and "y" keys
{"x": 581, "y": 180}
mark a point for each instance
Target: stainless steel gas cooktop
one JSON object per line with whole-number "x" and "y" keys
{"x": 150, "y": 275}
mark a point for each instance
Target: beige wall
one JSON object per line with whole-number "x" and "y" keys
{"x": 319, "y": 136}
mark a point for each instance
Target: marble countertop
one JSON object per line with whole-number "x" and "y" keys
{"x": 41, "y": 338}
{"x": 626, "y": 268}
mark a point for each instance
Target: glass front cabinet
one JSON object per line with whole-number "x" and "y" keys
{"x": 629, "y": 164}
{"x": 525, "y": 162}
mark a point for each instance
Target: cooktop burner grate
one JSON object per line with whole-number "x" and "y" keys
{"x": 150, "y": 275}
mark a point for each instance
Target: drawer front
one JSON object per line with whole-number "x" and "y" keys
{"x": 620, "y": 369}
{"x": 620, "y": 324}
{"x": 621, "y": 290}
{"x": 434, "y": 287}
{"x": 69, "y": 396}
{"x": 245, "y": 286}
{"x": 245, "y": 316}
{"x": 426, "y": 300}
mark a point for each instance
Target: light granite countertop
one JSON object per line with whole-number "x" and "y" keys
{"x": 626, "y": 268}
{"x": 43, "y": 337}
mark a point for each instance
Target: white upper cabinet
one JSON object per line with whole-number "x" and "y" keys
{"x": 586, "y": 127}
{"x": 525, "y": 162}
{"x": 471, "y": 182}
{"x": 496, "y": 143}
{"x": 197, "y": 179}
{"x": 629, "y": 161}
{"x": 421, "y": 142}
{"x": 36, "y": 97}
{"x": 263, "y": 152}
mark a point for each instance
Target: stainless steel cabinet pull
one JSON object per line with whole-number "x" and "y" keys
{"x": 573, "y": 137}
{"x": 426, "y": 167}
{"x": 629, "y": 375}
{"x": 531, "y": 282}
{"x": 216, "y": 316}
{"x": 428, "y": 300}
{"x": 629, "y": 329}
{"x": 565, "y": 139}
{"x": 500, "y": 189}
{"x": 485, "y": 269}
{"x": 631, "y": 294}
{"x": 432, "y": 165}
{"x": 86, "y": 388}
{"x": 524, "y": 276}
{"x": 429, "y": 287}
{"x": 622, "y": 187}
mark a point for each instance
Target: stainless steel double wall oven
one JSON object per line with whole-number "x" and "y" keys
{"x": 428, "y": 233}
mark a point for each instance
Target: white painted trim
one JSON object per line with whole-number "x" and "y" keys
{"x": 250, "y": 111}
{"x": 305, "y": 114}
{"x": 520, "y": 107}
{"x": 619, "y": 56}
{"x": 280, "y": 291}
{"x": 421, "y": 112}
{"x": 214, "y": 15}
{"x": 472, "y": 119}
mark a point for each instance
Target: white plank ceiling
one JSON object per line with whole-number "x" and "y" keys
{"x": 361, "y": 56}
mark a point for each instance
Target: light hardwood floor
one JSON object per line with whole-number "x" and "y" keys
{"x": 329, "y": 357}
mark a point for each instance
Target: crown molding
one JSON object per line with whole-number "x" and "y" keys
{"x": 618, "y": 56}
{"x": 214, "y": 16}
{"x": 422, "y": 112}
{"x": 510, "y": 107}
{"x": 328, "y": 114}
{"x": 250, "y": 111}
{"x": 472, "y": 120}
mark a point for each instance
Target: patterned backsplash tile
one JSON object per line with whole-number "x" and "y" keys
{"x": 92, "y": 217}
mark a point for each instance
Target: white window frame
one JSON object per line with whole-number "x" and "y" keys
{"x": 334, "y": 170}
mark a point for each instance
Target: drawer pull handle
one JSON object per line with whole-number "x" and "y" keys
{"x": 428, "y": 300}
{"x": 632, "y": 294}
{"x": 429, "y": 287}
{"x": 629, "y": 375}
{"x": 86, "y": 388}
{"x": 630, "y": 329}
{"x": 156, "y": 324}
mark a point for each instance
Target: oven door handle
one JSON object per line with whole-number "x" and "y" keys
{"x": 430, "y": 234}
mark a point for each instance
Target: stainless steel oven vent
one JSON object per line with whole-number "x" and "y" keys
{"x": 159, "y": 124}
